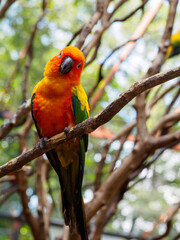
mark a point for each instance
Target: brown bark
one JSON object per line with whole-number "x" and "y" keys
{"x": 91, "y": 123}
{"x": 5, "y": 7}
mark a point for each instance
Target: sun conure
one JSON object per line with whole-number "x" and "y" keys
{"x": 174, "y": 48}
{"x": 59, "y": 101}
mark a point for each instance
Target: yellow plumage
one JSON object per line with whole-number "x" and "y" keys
{"x": 174, "y": 48}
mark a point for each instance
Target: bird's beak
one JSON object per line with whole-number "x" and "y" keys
{"x": 66, "y": 65}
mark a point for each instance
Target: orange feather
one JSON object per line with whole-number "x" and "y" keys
{"x": 52, "y": 106}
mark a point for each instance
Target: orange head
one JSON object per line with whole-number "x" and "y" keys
{"x": 66, "y": 66}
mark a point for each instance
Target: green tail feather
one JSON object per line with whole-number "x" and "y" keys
{"x": 70, "y": 178}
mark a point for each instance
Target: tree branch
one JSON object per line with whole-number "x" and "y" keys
{"x": 8, "y": 193}
{"x": 172, "y": 102}
{"x": 5, "y": 7}
{"x": 167, "y": 118}
{"x": 16, "y": 119}
{"x": 29, "y": 50}
{"x": 165, "y": 41}
{"x": 131, "y": 13}
{"x": 31, "y": 220}
{"x": 126, "y": 50}
{"x": 88, "y": 27}
{"x": 92, "y": 123}
{"x": 160, "y": 96}
{"x": 165, "y": 217}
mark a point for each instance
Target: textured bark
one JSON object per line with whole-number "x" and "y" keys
{"x": 91, "y": 123}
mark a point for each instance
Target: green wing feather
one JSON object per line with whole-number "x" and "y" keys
{"x": 80, "y": 115}
{"x": 32, "y": 113}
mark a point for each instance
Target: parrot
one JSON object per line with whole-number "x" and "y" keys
{"x": 174, "y": 48}
{"x": 58, "y": 102}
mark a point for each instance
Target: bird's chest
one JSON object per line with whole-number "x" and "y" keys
{"x": 53, "y": 115}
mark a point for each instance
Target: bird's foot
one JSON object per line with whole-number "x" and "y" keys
{"x": 42, "y": 142}
{"x": 66, "y": 130}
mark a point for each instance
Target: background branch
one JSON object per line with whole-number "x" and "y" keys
{"x": 5, "y": 7}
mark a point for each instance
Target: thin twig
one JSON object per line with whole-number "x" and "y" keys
{"x": 131, "y": 13}
{"x": 172, "y": 102}
{"x": 8, "y": 193}
{"x": 29, "y": 51}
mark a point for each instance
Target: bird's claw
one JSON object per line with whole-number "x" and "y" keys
{"x": 42, "y": 142}
{"x": 66, "y": 130}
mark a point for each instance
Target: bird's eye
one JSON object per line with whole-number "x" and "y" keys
{"x": 79, "y": 65}
{"x": 60, "y": 55}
